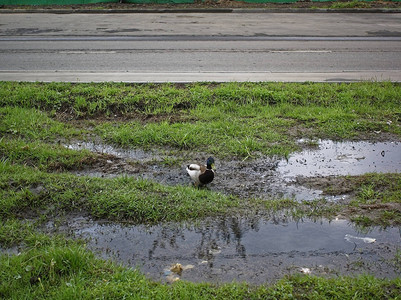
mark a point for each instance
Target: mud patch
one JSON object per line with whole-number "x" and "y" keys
{"x": 253, "y": 250}
{"x": 306, "y": 175}
{"x": 330, "y": 185}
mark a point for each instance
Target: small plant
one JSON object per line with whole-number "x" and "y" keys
{"x": 366, "y": 193}
{"x": 363, "y": 221}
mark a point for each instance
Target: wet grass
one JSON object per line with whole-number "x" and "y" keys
{"x": 44, "y": 156}
{"x": 225, "y": 137}
{"x": 32, "y": 124}
{"x": 297, "y": 210}
{"x": 377, "y": 199}
{"x": 26, "y": 190}
{"x": 243, "y": 120}
{"x": 233, "y": 119}
{"x": 378, "y": 188}
{"x": 60, "y": 270}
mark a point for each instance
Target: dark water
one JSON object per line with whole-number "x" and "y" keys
{"x": 252, "y": 250}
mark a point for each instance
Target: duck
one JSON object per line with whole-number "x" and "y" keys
{"x": 201, "y": 174}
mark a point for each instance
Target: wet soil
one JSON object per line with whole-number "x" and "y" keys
{"x": 208, "y": 4}
{"x": 254, "y": 250}
{"x": 306, "y": 175}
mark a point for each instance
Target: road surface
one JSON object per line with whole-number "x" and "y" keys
{"x": 184, "y": 47}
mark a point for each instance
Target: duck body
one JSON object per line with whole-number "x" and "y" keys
{"x": 201, "y": 174}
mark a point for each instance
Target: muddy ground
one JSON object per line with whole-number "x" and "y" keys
{"x": 256, "y": 248}
{"x": 314, "y": 173}
{"x": 305, "y": 175}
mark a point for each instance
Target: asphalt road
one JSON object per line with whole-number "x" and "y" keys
{"x": 186, "y": 47}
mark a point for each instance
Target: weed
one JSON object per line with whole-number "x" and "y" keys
{"x": 363, "y": 221}
{"x": 366, "y": 193}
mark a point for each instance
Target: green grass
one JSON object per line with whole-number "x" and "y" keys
{"x": 222, "y": 136}
{"x": 233, "y": 119}
{"x": 44, "y": 156}
{"x": 56, "y": 271}
{"x": 32, "y": 124}
{"x": 379, "y": 188}
{"x": 377, "y": 199}
{"x": 241, "y": 119}
{"x": 25, "y": 189}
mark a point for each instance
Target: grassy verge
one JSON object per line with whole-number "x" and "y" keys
{"x": 234, "y": 119}
{"x": 241, "y": 119}
{"x": 214, "y": 4}
{"x": 227, "y": 120}
{"x": 350, "y": 4}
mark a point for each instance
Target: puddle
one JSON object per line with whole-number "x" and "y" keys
{"x": 343, "y": 158}
{"x": 134, "y": 154}
{"x": 263, "y": 177}
{"x": 254, "y": 250}
{"x": 239, "y": 249}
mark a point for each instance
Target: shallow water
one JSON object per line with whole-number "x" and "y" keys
{"x": 253, "y": 250}
{"x": 263, "y": 177}
{"x": 343, "y": 158}
{"x": 135, "y": 154}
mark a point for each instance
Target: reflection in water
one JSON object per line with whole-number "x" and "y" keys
{"x": 343, "y": 158}
{"x": 137, "y": 154}
{"x": 253, "y": 249}
{"x": 263, "y": 177}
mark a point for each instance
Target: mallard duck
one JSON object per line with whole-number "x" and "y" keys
{"x": 201, "y": 174}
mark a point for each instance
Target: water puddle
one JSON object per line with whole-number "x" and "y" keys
{"x": 134, "y": 154}
{"x": 263, "y": 177}
{"x": 253, "y": 250}
{"x": 343, "y": 158}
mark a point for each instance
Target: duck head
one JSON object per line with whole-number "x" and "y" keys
{"x": 210, "y": 163}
